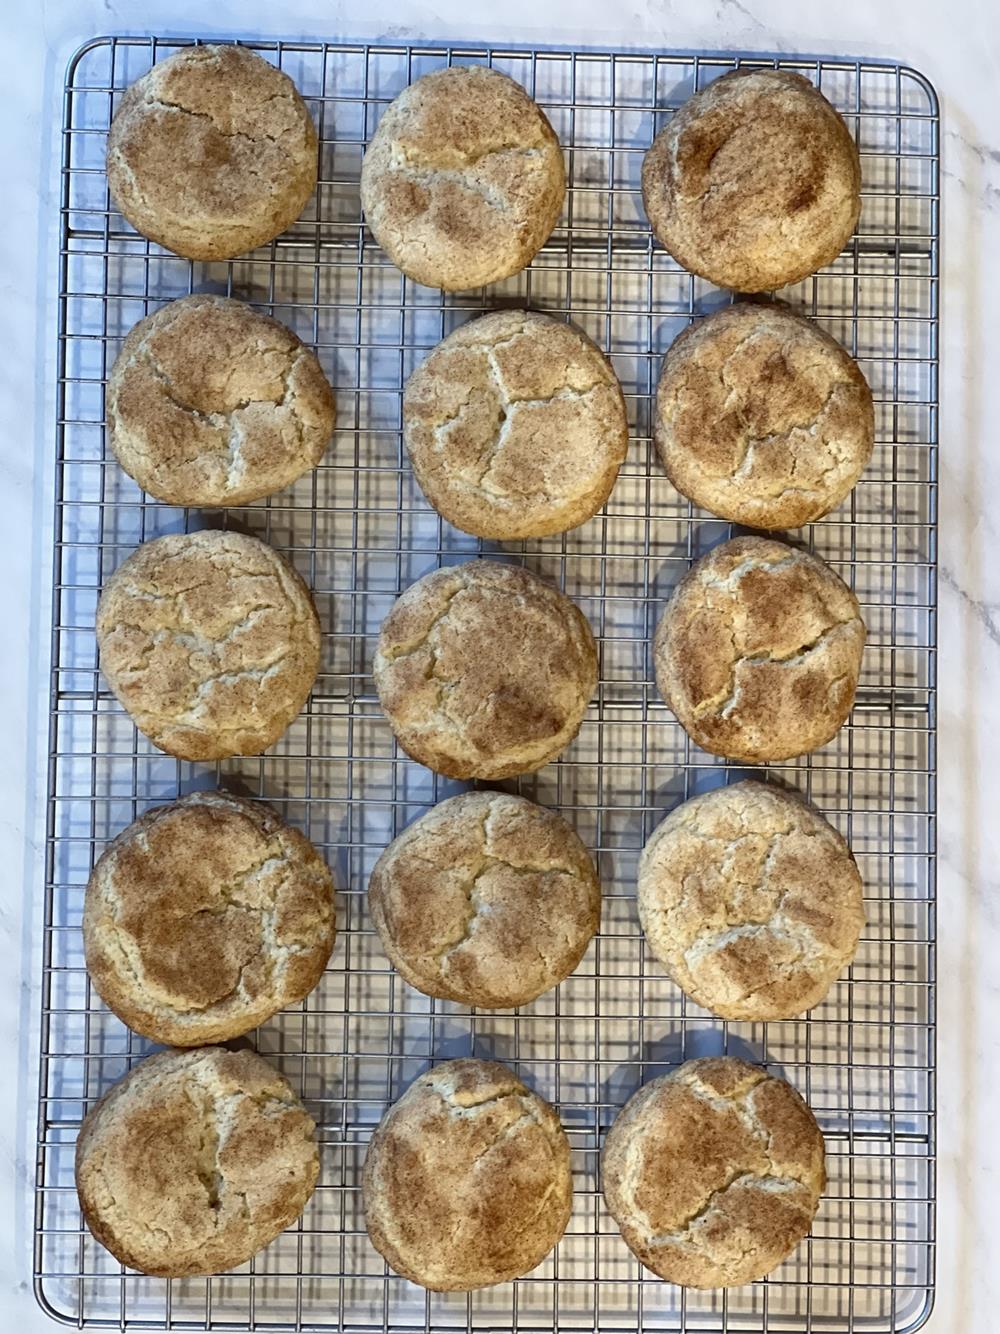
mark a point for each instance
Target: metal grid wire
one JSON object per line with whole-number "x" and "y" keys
{"x": 359, "y": 531}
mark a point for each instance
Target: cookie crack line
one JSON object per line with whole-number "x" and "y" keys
{"x": 392, "y": 653}
{"x": 417, "y": 162}
{"x": 798, "y": 935}
{"x": 491, "y": 195}
{"x": 122, "y": 581}
{"x": 509, "y": 408}
{"x": 206, "y": 1164}
{"x": 472, "y": 913}
{"x": 199, "y": 689}
{"x": 279, "y": 953}
{"x": 743, "y": 469}
{"x": 451, "y": 1098}
{"x": 709, "y": 941}
{"x": 194, "y": 639}
{"x": 527, "y": 1117}
{"x": 726, "y": 700}
{"x": 541, "y": 1207}
{"x": 475, "y": 907}
{"x": 687, "y": 1234}
{"x": 817, "y": 487}
{"x": 491, "y": 862}
{"x": 728, "y": 582}
{"x": 739, "y": 1102}
{"x": 230, "y": 677}
{"x": 230, "y": 419}
{"x": 154, "y": 100}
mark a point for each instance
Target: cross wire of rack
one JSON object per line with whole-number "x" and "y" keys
{"x": 359, "y": 531}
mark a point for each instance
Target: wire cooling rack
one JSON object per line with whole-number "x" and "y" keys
{"x": 359, "y": 531}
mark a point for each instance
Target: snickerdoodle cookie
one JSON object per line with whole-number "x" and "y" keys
{"x": 467, "y": 1179}
{"x": 210, "y": 641}
{"x": 487, "y": 899}
{"x": 762, "y": 417}
{"x": 463, "y": 179}
{"x": 759, "y": 650}
{"x": 212, "y": 152}
{"x": 211, "y": 403}
{"x": 515, "y": 426}
{"x": 751, "y": 901}
{"x": 205, "y": 917}
{"x": 714, "y": 1173}
{"x": 755, "y": 182}
{"x": 195, "y": 1161}
{"x": 484, "y": 670}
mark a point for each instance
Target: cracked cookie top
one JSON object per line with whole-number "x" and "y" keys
{"x": 205, "y": 917}
{"x": 762, "y": 417}
{"x": 195, "y": 1161}
{"x": 467, "y": 1179}
{"x": 484, "y": 670}
{"x": 751, "y": 900}
{"x": 211, "y": 403}
{"x": 212, "y": 152}
{"x": 759, "y": 650}
{"x": 210, "y": 641}
{"x": 487, "y": 900}
{"x": 714, "y": 1173}
{"x": 755, "y": 182}
{"x": 515, "y": 426}
{"x": 463, "y": 180}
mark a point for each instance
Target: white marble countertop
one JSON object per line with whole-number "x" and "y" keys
{"x": 957, "y": 46}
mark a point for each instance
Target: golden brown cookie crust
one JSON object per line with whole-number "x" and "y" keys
{"x": 463, "y": 180}
{"x": 714, "y": 1173}
{"x": 762, "y": 417}
{"x": 205, "y": 917}
{"x": 484, "y": 670}
{"x": 467, "y": 1179}
{"x": 212, "y": 152}
{"x": 211, "y": 403}
{"x": 210, "y": 641}
{"x": 515, "y": 426}
{"x": 751, "y": 901}
{"x": 759, "y": 650}
{"x": 755, "y": 182}
{"x": 195, "y": 1161}
{"x": 486, "y": 900}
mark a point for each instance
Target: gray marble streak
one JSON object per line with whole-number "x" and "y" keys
{"x": 980, "y": 608}
{"x": 986, "y": 161}
{"x": 726, "y": 7}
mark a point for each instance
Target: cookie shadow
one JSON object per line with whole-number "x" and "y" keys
{"x": 664, "y": 1054}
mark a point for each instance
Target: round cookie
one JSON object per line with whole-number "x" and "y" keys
{"x": 205, "y": 917}
{"x": 463, "y": 180}
{"x": 467, "y": 1179}
{"x": 484, "y": 670}
{"x": 762, "y": 417}
{"x": 515, "y": 426}
{"x": 212, "y": 152}
{"x": 755, "y": 182}
{"x": 751, "y": 901}
{"x": 195, "y": 1161}
{"x": 210, "y": 641}
{"x": 759, "y": 650}
{"x": 210, "y": 403}
{"x": 714, "y": 1173}
{"x": 487, "y": 900}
